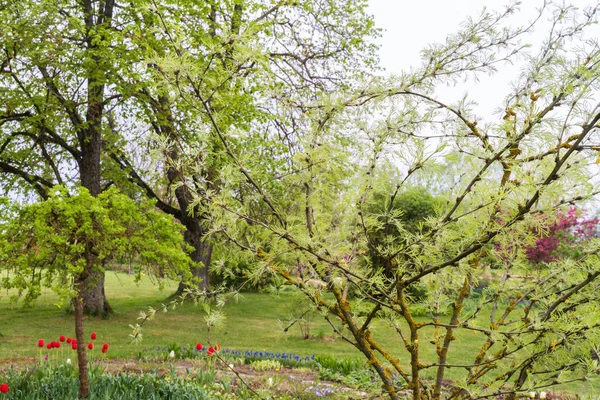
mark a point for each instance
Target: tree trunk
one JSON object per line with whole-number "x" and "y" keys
{"x": 94, "y": 299}
{"x": 84, "y": 384}
{"x": 93, "y": 296}
{"x": 90, "y": 140}
{"x": 202, "y": 254}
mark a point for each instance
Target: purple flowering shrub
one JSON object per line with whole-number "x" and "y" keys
{"x": 563, "y": 237}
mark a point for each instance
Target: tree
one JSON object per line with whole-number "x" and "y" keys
{"x": 56, "y": 70}
{"x": 563, "y": 237}
{"x": 531, "y": 159}
{"x": 223, "y": 65}
{"x": 394, "y": 215}
{"x": 46, "y": 244}
{"x": 81, "y": 91}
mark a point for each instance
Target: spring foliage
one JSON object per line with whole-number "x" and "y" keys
{"x": 44, "y": 244}
{"x": 496, "y": 176}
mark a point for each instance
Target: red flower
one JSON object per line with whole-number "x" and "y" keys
{"x": 104, "y": 348}
{"x": 41, "y": 343}
{"x": 74, "y": 345}
{"x": 69, "y": 340}
{"x": 199, "y": 346}
{"x": 93, "y": 335}
{"x": 210, "y": 351}
{"x": 57, "y": 344}
{"x": 49, "y": 346}
{"x": 91, "y": 346}
{"x": 62, "y": 338}
{"x": 4, "y": 388}
{"x": 217, "y": 347}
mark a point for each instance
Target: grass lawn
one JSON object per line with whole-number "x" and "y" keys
{"x": 252, "y": 323}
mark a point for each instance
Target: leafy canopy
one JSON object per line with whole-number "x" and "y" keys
{"x": 44, "y": 244}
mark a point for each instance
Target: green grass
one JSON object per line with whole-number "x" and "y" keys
{"x": 252, "y": 323}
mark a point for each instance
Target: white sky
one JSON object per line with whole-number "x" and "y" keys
{"x": 408, "y": 26}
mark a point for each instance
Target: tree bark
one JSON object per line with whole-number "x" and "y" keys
{"x": 202, "y": 253}
{"x": 84, "y": 384}
{"x": 93, "y": 296}
{"x": 89, "y": 136}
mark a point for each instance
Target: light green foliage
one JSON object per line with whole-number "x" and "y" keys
{"x": 266, "y": 365}
{"x": 493, "y": 175}
{"x": 44, "y": 245}
{"x": 336, "y": 364}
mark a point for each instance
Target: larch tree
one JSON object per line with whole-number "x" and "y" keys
{"x": 534, "y": 157}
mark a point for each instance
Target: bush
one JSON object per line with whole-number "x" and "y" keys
{"x": 341, "y": 365}
{"x": 266, "y": 365}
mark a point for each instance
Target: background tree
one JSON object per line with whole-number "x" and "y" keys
{"x": 563, "y": 237}
{"x": 85, "y": 85}
{"x": 394, "y": 214}
{"x": 226, "y": 64}
{"x": 56, "y": 83}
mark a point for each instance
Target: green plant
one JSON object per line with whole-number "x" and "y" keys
{"x": 174, "y": 349}
{"x": 301, "y": 314}
{"x": 61, "y": 383}
{"x": 493, "y": 176}
{"x": 205, "y": 376}
{"x": 266, "y": 365}
{"x": 342, "y": 365}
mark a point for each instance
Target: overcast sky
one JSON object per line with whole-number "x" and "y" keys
{"x": 408, "y": 26}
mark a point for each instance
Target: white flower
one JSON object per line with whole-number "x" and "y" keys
{"x": 542, "y": 395}
{"x": 172, "y": 354}
{"x": 68, "y": 361}
{"x": 532, "y": 395}
{"x": 230, "y": 366}
{"x": 270, "y": 381}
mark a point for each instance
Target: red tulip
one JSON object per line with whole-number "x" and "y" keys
{"x": 4, "y": 388}
{"x": 91, "y": 346}
{"x": 93, "y": 335}
{"x": 62, "y": 338}
{"x": 198, "y": 346}
{"x": 69, "y": 340}
{"x": 57, "y": 345}
{"x": 74, "y": 345}
{"x": 41, "y": 343}
{"x": 105, "y": 348}
{"x": 210, "y": 351}
{"x": 49, "y": 346}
